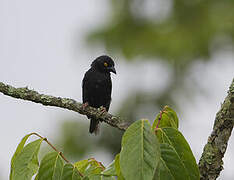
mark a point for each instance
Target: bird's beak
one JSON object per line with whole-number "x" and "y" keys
{"x": 112, "y": 69}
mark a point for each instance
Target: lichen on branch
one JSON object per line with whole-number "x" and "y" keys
{"x": 66, "y": 103}
{"x": 211, "y": 163}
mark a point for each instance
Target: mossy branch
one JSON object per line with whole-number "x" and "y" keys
{"x": 66, "y": 103}
{"x": 211, "y": 163}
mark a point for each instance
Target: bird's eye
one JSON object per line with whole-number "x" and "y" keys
{"x": 105, "y": 64}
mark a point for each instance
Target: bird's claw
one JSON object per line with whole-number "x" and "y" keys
{"x": 102, "y": 111}
{"x": 85, "y": 105}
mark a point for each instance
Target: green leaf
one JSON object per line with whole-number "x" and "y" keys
{"x": 117, "y": 168}
{"x": 179, "y": 146}
{"x": 110, "y": 170}
{"x": 26, "y": 162}
{"x": 173, "y": 116}
{"x": 82, "y": 165}
{"x": 163, "y": 172}
{"x": 51, "y": 167}
{"x": 99, "y": 177}
{"x": 108, "y": 178}
{"x": 89, "y": 167}
{"x": 140, "y": 152}
{"x": 70, "y": 172}
{"x": 17, "y": 152}
{"x": 36, "y": 178}
{"x": 170, "y": 166}
{"x": 168, "y": 119}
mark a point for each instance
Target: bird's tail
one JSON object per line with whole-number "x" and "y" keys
{"x": 94, "y": 126}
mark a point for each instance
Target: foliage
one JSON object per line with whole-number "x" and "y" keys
{"x": 184, "y": 31}
{"x": 147, "y": 152}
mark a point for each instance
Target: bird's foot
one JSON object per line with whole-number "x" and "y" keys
{"x": 85, "y": 105}
{"x": 102, "y": 111}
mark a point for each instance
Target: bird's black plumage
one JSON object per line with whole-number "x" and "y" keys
{"x": 97, "y": 86}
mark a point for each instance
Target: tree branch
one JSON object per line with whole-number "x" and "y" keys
{"x": 66, "y": 103}
{"x": 211, "y": 162}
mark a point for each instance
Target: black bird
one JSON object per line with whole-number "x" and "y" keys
{"x": 97, "y": 86}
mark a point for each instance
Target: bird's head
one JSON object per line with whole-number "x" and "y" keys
{"x": 104, "y": 64}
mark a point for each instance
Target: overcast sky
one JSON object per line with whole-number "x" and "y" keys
{"x": 42, "y": 47}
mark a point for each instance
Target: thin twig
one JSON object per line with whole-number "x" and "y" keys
{"x": 99, "y": 163}
{"x": 54, "y": 148}
{"x": 46, "y": 140}
{"x": 159, "y": 119}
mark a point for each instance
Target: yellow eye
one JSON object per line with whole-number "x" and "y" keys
{"x": 105, "y": 64}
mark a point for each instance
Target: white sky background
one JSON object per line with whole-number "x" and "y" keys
{"x": 42, "y": 47}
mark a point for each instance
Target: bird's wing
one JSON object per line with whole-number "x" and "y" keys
{"x": 85, "y": 87}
